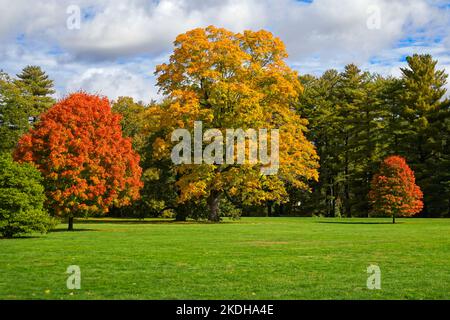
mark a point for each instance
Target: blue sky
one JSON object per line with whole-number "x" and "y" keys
{"x": 118, "y": 43}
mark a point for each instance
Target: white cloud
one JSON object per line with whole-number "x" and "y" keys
{"x": 139, "y": 34}
{"x": 138, "y": 27}
{"x": 113, "y": 82}
{"x": 326, "y": 27}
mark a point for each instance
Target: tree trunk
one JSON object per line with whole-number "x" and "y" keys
{"x": 424, "y": 210}
{"x": 332, "y": 200}
{"x": 346, "y": 182}
{"x": 213, "y": 204}
{"x": 280, "y": 210}
{"x": 393, "y": 218}
{"x": 269, "y": 208}
{"x": 70, "y": 228}
{"x": 448, "y": 210}
{"x": 180, "y": 216}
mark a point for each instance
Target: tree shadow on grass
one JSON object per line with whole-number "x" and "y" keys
{"x": 113, "y": 221}
{"x": 43, "y": 235}
{"x": 74, "y": 230}
{"x": 21, "y": 237}
{"x": 358, "y": 222}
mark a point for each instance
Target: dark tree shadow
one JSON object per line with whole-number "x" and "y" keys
{"x": 113, "y": 221}
{"x": 100, "y": 221}
{"x": 74, "y": 230}
{"x": 358, "y": 222}
{"x": 22, "y": 237}
{"x": 43, "y": 235}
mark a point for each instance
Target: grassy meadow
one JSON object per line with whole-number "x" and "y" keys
{"x": 251, "y": 258}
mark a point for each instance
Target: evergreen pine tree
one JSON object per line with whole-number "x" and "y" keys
{"x": 14, "y": 106}
{"x": 37, "y": 84}
{"x": 423, "y": 116}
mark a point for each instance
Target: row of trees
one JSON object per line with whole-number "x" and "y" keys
{"x": 92, "y": 160}
{"x": 358, "y": 118}
{"x": 224, "y": 79}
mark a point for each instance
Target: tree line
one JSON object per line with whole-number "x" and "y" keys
{"x": 356, "y": 119}
{"x": 336, "y": 130}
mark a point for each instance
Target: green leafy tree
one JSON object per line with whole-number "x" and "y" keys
{"x": 21, "y": 200}
{"x": 14, "y": 106}
{"x": 133, "y": 119}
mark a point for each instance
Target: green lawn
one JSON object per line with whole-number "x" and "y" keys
{"x": 253, "y": 258}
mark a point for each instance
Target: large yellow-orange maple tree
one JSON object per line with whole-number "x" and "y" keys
{"x": 86, "y": 163}
{"x": 233, "y": 80}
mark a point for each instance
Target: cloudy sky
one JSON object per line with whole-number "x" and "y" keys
{"x": 117, "y": 44}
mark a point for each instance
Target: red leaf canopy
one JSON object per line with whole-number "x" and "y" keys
{"x": 86, "y": 162}
{"x": 394, "y": 190}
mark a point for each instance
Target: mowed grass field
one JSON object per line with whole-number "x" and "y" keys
{"x": 252, "y": 258}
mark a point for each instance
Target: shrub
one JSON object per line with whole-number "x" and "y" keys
{"x": 21, "y": 200}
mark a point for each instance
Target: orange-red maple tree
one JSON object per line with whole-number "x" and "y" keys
{"x": 86, "y": 162}
{"x": 394, "y": 191}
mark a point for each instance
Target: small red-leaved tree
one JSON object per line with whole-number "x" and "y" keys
{"x": 394, "y": 191}
{"x": 86, "y": 162}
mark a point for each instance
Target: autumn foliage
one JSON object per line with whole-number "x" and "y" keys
{"x": 233, "y": 80}
{"x": 86, "y": 163}
{"x": 394, "y": 191}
